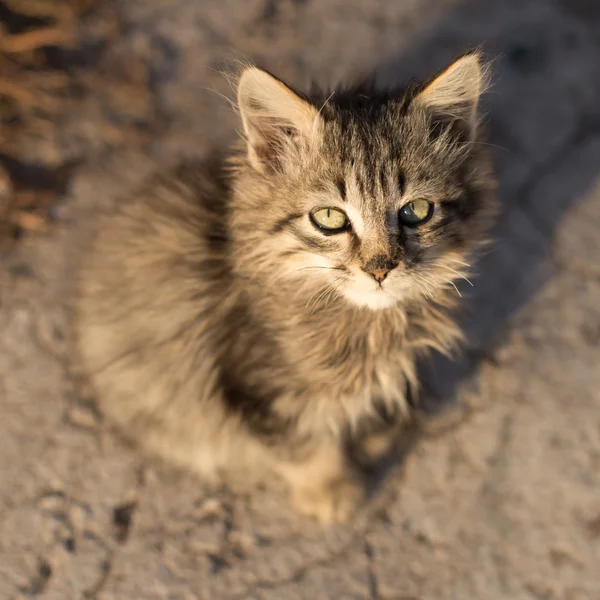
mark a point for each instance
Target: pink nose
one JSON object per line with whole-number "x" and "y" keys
{"x": 379, "y": 274}
{"x": 379, "y": 267}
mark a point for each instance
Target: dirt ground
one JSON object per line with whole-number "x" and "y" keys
{"x": 502, "y": 503}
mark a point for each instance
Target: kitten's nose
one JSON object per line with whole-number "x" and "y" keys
{"x": 379, "y": 275}
{"x": 379, "y": 267}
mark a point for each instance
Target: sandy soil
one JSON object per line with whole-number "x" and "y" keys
{"x": 502, "y": 505}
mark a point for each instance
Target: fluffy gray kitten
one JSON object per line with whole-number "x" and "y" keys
{"x": 257, "y": 314}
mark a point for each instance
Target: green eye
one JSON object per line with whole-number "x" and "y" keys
{"x": 330, "y": 220}
{"x": 416, "y": 212}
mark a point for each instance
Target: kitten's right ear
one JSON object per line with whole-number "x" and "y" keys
{"x": 275, "y": 119}
{"x": 455, "y": 92}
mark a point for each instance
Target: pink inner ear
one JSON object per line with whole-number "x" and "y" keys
{"x": 267, "y": 144}
{"x": 276, "y": 119}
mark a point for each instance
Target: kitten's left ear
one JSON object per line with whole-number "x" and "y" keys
{"x": 277, "y": 122}
{"x": 455, "y": 92}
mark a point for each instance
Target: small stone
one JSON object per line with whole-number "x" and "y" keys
{"x": 542, "y": 590}
{"x": 82, "y": 417}
{"x": 77, "y": 517}
{"x": 52, "y": 503}
{"x": 210, "y": 508}
{"x": 241, "y": 542}
{"x": 123, "y": 519}
{"x": 430, "y": 533}
{"x": 563, "y": 553}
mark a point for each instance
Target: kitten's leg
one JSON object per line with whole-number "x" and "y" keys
{"x": 381, "y": 435}
{"x": 322, "y": 482}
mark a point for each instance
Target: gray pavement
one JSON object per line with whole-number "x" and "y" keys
{"x": 501, "y": 502}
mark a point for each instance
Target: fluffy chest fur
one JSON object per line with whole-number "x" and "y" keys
{"x": 334, "y": 367}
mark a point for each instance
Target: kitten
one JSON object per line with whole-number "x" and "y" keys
{"x": 255, "y": 315}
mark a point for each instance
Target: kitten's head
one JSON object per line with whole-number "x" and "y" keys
{"x": 375, "y": 197}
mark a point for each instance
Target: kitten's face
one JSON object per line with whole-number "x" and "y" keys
{"x": 380, "y": 201}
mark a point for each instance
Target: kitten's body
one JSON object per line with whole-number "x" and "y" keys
{"x": 223, "y": 332}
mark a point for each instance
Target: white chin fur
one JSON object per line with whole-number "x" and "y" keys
{"x": 375, "y": 299}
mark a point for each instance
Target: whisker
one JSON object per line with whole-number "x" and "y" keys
{"x": 448, "y": 281}
{"x": 322, "y": 296}
{"x": 232, "y": 104}
{"x": 317, "y": 267}
{"x": 326, "y": 101}
{"x": 487, "y": 144}
{"x": 284, "y": 275}
{"x": 320, "y": 299}
{"x": 460, "y": 262}
{"x": 452, "y": 284}
{"x": 457, "y": 273}
{"x": 319, "y": 290}
{"x": 424, "y": 285}
{"x": 336, "y": 288}
{"x": 334, "y": 292}
{"x": 327, "y": 297}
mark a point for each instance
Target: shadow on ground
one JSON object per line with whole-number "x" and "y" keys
{"x": 541, "y": 109}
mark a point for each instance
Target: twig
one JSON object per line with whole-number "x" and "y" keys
{"x": 31, "y": 40}
{"x": 40, "y": 8}
{"x": 24, "y": 96}
{"x": 29, "y": 221}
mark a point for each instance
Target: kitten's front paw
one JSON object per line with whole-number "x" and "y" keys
{"x": 375, "y": 447}
{"x": 332, "y": 502}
